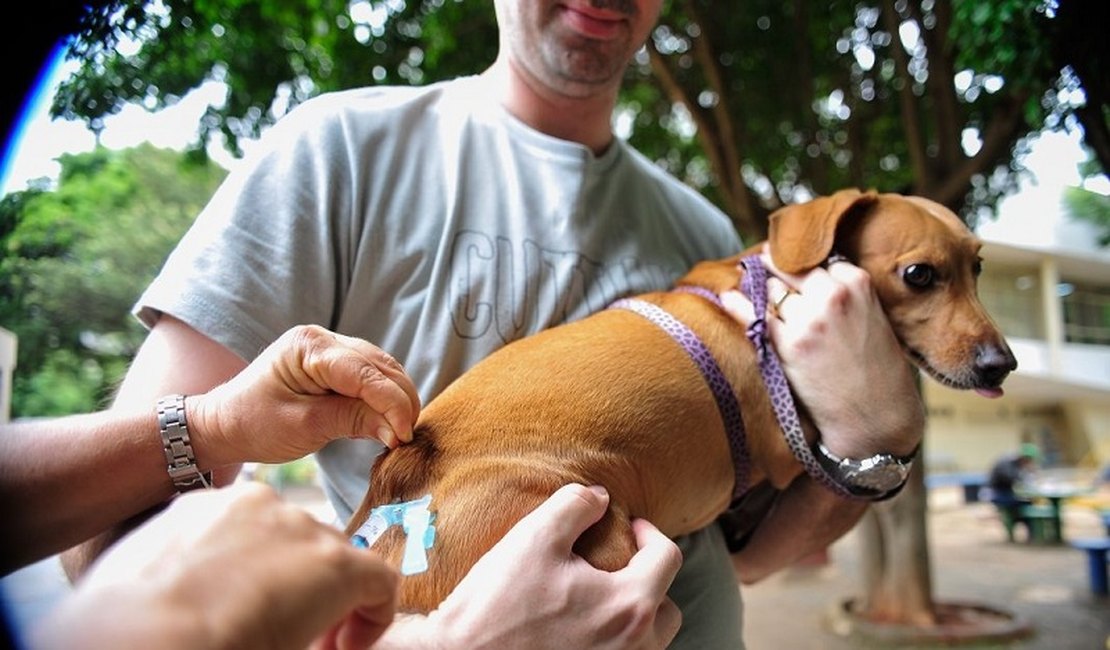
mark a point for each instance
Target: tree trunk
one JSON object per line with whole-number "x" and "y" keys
{"x": 897, "y": 575}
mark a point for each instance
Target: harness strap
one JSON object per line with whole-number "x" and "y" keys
{"x": 723, "y": 394}
{"x": 754, "y": 285}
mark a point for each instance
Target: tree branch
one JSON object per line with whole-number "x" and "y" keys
{"x": 732, "y": 205}
{"x": 941, "y": 89}
{"x": 727, "y": 142}
{"x": 911, "y": 121}
{"x": 1007, "y": 123}
{"x": 804, "y": 79}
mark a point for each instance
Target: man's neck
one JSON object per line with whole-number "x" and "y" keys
{"x": 584, "y": 119}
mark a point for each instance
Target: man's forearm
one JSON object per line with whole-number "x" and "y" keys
{"x": 806, "y": 517}
{"x": 63, "y": 481}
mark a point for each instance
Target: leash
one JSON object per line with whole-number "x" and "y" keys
{"x": 723, "y": 394}
{"x": 754, "y": 285}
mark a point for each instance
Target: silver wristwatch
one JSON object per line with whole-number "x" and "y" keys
{"x": 877, "y": 477}
{"x": 180, "y": 462}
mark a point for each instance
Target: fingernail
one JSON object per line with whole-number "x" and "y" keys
{"x": 386, "y": 435}
{"x": 599, "y": 491}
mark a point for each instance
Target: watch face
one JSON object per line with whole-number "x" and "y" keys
{"x": 881, "y": 476}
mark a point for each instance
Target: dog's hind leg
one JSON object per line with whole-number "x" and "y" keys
{"x": 470, "y": 521}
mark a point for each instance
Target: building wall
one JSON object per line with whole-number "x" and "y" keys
{"x": 1051, "y": 305}
{"x": 967, "y": 433}
{"x": 1090, "y": 423}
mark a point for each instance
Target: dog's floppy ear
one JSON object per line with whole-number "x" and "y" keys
{"x": 802, "y": 235}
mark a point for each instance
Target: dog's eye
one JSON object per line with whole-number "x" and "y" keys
{"x": 919, "y": 276}
{"x": 978, "y": 268}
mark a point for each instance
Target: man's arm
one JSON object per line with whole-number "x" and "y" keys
{"x": 805, "y": 518}
{"x": 307, "y": 388}
{"x": 130, "y": 476}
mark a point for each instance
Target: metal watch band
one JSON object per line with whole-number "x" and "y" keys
{"x": 852, "y": 473}
{"x": 180, "y": 462}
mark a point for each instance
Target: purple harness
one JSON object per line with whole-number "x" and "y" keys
{"x": 754, "y": 285}
{"x": 727, "y": 404}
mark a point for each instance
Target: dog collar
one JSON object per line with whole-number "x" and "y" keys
{"x": 754, "y": 284}
{"x": 723, "y": 394}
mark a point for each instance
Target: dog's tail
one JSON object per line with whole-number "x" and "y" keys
{"x": 400, "y": 474}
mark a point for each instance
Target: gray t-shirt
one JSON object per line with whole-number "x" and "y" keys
{"x": 434, "y": 224}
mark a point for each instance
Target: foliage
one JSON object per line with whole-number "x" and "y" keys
{"x": 1083, "y": 204}
{"x": 793, "y": 99}
{"x": 1092, "y": 207}
{"x": 271, "y": 54}
{"x": 756, "y": 104}
{"x": 74, "y": 260}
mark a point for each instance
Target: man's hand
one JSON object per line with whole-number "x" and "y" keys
{"x": 307, "y": 388}
{"x": 532, "y": 591}
{"x": 842, "y": 360}
{"x": 234, "y": 567}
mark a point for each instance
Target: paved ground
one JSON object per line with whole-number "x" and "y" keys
{"x": 971, "y": 560}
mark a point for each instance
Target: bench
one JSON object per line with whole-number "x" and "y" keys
{"x": 971, "y": 483}
{"x": 1096, "y": 549}
{"x": 1040, "y": 522}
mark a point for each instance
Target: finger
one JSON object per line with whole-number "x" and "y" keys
{"x": 388, "y": 365}
{"x": 777, "y": 294}
{"x": 378, "y": 583}
{"x": 789, "y": 278}
{"x": 564, "y": 516}
{"x": 355, "y": 419}
{"x": 668, "y": 620}
{"x": 356, "y": 631}
{"x": 344, "y": 370}
{"x": 327, "y": 640}
{"x": 658, "y": 558}
{"x": 375, "y": 604}
{"x": 842, "y": 270}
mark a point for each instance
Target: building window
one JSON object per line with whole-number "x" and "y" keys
{"x": 1086, "y": 313}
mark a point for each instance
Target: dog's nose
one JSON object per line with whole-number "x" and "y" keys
{"x": 993, "y": 363}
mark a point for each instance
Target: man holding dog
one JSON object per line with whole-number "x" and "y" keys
{"x": 440, "y": 223}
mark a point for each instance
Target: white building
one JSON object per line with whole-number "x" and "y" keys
{"x": 1047, "y": 284}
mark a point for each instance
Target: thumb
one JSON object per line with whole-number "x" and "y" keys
{"x": 565, "y": 515}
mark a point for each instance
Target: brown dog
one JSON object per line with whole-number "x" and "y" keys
{"x": 613, "y": 400}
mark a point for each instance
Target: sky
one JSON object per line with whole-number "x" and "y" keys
{"x": 38, "y": 141}
{"x": 32, "y": 154}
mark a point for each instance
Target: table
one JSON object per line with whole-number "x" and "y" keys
{"x": 1055, "y": 494}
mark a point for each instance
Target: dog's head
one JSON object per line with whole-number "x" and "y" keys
{"x": 924, "y": 264}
